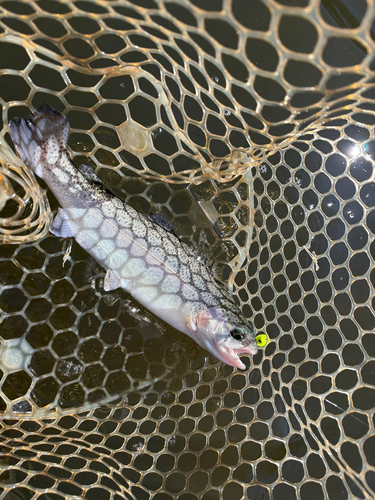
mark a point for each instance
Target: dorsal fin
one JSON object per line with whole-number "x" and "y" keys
{"x": 203, "y": 248}
{"x": 88, "y": 172}
{"x": 160, "y": 219}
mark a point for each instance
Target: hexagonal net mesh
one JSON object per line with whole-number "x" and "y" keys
{"x": 250, "y": 125}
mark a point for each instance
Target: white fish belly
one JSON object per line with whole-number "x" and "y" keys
{"x": 139, "y": 266}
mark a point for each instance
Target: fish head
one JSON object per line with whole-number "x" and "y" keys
{"x": 226, "y": 335}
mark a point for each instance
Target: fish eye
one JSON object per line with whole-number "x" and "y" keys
{"x": 237, "y": 333}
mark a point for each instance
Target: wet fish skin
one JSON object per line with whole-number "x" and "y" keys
{"x": 152, "y": 264}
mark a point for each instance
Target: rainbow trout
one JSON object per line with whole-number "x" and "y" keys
{"x": 152, "y": 264}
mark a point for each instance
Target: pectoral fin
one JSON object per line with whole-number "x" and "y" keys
{"x": 191, "y": 323}
{"x": 111, "y": 281}
{"x": 61, "y": 226}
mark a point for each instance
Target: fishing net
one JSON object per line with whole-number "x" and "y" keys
{"x": 250, "y": 126}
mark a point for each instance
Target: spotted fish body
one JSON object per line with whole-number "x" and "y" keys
{"x": 141, "y": 257}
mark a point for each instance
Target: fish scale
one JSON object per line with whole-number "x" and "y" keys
{"x": 150, "y": 263}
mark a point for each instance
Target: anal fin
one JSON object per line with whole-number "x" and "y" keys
{"x": 111, "y": 281}
{"x": 61, "y": 226}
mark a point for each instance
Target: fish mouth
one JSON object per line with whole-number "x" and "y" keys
{"x": 231, "y": 356}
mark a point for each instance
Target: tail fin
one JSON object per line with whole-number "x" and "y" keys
{"x": 40, "y": 138}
